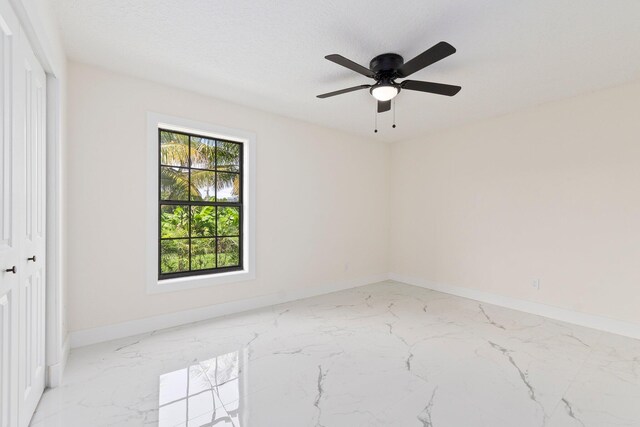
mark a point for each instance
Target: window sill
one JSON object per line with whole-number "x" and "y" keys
{"x": 191, "y": 282}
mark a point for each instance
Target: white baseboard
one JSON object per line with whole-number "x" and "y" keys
{"x": 134, "y": 327}
{"x": 55, "y": 372}
{"x": 583, "y": 319}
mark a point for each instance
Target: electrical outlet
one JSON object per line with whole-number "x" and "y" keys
{"x": 535, "y": 283}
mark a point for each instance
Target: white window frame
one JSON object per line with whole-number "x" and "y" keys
{"x": 248, "y": 140}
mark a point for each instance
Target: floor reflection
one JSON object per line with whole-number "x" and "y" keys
{"x": 204, "y": 394}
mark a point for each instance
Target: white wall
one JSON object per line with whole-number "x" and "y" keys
{"x": 41, "y": 25}
{"x": 550, "y": 193}
{"x": 321, "y": 200}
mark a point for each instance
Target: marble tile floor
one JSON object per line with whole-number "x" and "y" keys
{"x": 385, "y": 354}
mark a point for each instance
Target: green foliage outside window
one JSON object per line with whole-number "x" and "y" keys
{"x": 204, "y": 235}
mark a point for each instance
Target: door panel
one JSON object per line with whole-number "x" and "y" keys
{"x": 22, "y": 224}
{"x": 6, "y": 187}
{"x": 32, "y": 293}
{"x": 10, "y": 195}
{"x": 26, "y": 95}
{"x": 6, "y": 348}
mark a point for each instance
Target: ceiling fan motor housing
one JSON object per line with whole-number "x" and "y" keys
{"x": 386, "y": 64}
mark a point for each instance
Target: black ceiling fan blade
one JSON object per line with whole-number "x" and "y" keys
{"x": 437, "y": 88}
{"x": 341, "y": 60}
{"x": 426, "y": 58}
{"x": 340, "y": 92}
{"x": 384, "y": 106}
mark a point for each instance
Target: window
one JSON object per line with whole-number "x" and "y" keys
{"x": 201, "y": 204}
{"x": 200, "y": 209}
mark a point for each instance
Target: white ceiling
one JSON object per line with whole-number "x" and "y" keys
{"x": 270, "y": 54}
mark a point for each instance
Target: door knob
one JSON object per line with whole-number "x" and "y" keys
{"x": 11, "y": 270}
{"x": 33, "y": 258}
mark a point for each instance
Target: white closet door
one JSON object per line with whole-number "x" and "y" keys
{"x": 30, "y": 129}
{"x": 9, "y": 231}
{"x": 22, "y": 220}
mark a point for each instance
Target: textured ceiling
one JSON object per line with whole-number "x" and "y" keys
{"x": 270, "y": 54}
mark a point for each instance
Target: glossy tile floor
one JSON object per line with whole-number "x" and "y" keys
{"x": 386, "y": 354}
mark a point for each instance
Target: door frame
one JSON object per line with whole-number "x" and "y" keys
{"x": 57, "y": 342}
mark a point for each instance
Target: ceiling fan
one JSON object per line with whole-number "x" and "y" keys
{"x": 388, "y": 67}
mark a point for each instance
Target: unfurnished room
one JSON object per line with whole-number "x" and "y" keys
{"x": 319, "y": 213}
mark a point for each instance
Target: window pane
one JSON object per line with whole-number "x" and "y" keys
{"x": 174, "y": 255}
{"x": 228, "y": 252}
{"x": 203, "y": 184}
{"x": 203, "y": 221}
{"x": 174, "y": 221}
{"x": 203, "y": 153}
{"x": 174, "y": 183}
{"x": 203, "y": 254}
{"x": 228, "y": 187}
{"x": 228, "y": 221}
{"x": 174, "y": 149}
{"x": 200, "y": 203}
{"x": 228, "y": 156}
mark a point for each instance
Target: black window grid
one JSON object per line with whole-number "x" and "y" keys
{"x": 190, "y": 203}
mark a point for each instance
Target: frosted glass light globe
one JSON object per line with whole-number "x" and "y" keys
{"x": 384, "y": 92}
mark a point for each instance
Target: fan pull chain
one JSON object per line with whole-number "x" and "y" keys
{"x": 394, "y": 113}
{"x": 375, "y": 115}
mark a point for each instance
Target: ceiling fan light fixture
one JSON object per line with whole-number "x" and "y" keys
{"x": 384, "y": 92}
